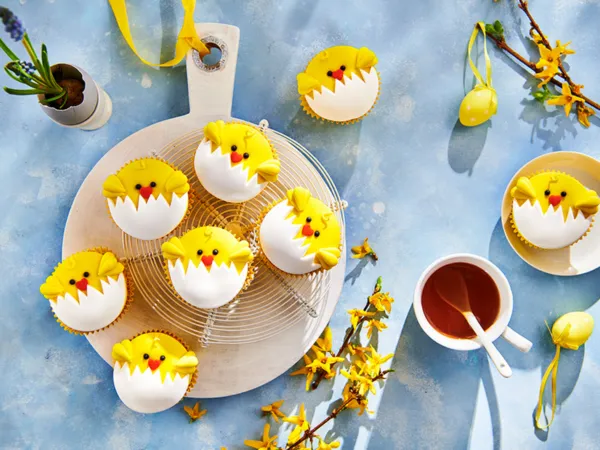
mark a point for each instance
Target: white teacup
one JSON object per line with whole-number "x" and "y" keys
{"x": 499, "y": 327}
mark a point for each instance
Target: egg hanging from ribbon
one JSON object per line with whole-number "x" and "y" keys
{"x": 478, "y": 106}
{"x": 481, "y": 103}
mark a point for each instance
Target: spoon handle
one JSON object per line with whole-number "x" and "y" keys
{"x": 493, "y": 352}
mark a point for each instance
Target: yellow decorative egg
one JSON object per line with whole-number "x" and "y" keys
{"x": 572, "y": 329}
{"x": 478, "y": 106}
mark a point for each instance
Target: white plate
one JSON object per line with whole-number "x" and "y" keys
{"x": 580, "y": 258}
{"x": 224, "y": 369}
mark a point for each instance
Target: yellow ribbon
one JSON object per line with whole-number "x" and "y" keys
{"x": 187, "y": 38}
{"x": 488, "y": 63}
{"x": 552, "y": 368}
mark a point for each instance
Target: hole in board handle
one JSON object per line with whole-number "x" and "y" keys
{"x": 216, "y": 59}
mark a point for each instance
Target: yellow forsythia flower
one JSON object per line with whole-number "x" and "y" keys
{"x": 301, "y": 424}
{"x": 309, "y": 370}
{"x": 563, "y": 48}
{"x": 360, "y": 251}
{"x": 357, "y": 314}
{"x": 194, "y": 412}
{"x": 325, "y": 342}
{"x": 273, "y": 409}
{"x": 567, "y": 99}
{"x": 381, "y": 301}
{"x": 267, "y": 443}
{"x": 375, "y": 324}
{"x": 583, "y": 115}
{"x": 327, "y": 446}
{"x": 547, "y": 74}
{"x": 357, "y": 402}
{"x": 548, "y": 57}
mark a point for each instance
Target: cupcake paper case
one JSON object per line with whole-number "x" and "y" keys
{"x": 147, "y": 198}
{"x": 340, "y": 84}
{"x": 235, "y": 161}
{"x": 300, "y": 234}
{"x": 552, "y": 210}
{"x": 208, "y": 266}
{"x": 88, "y": 291}
{"x": 153, "y": 371}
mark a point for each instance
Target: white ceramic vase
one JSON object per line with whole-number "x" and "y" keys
{"x": 92, "y": 113}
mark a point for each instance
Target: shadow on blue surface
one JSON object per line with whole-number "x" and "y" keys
{"x": 438, "y": 388}
{"x": 465, "y": 146}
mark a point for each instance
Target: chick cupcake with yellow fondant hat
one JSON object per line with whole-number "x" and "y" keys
{"x": 147, "y": 198}
{"x": 235, "y": 161}
{"x": 153, "y": 371}
{"x": 552, "y": 210}
{"x": 208, "y": 266}
{"x": 300, "y": 234}
{"x": 340, "y": 84}
{"x": 88, "y": 291}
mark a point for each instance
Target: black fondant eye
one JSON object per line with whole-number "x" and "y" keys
{"x": 162, "y": 357}
{"x": 153, "y": 184}
{"x": 547, "y": 193}
{"x": 146, "y": 356}
{"x": 317, "y": 233}
{"x": 215, "y": 252}
{"x": 233, "y": 148}
{"x": 86, "y": 274}
{"x": 138, "y": 186}
{"x": 308, "y": 219}
{"x": 71, "y": 281}
{"x": 199, "y": 252}
{"x": 563, "y": 194}
{"x": 246, "y": 155}
{"x": 343, "y": 67}
{"x": 330, "y": 73}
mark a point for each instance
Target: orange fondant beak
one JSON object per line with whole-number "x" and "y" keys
{"x": 307, "y": 230}
{"x": 338, "y": 74}
{"x": 555, "y": 200}
{"x": 146, "y": 192}
{"x": 82, "y": 284}
{"x": 153, "y": 364}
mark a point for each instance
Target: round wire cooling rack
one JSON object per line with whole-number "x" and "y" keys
{"x": 273, "y": 302}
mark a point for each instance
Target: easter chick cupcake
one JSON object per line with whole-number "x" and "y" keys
{"x": 153, "y": 371}
{"x": 552, "y": 210}
{"x": 300, "y": 234}
{"x": 88, "y": 291}
{"x": 208, "y": 266}
{"x": 147, "y": 198}
{"x": 235, "y": 161}
{"x": 340, "y": 84}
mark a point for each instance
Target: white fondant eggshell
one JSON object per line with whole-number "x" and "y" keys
{"x": 352, "y": 99}
{"x": 221, "y": 179}
{"x": 549, "y": 230}
{"x": 207, "y": 289}
{"x": 145, "y": 392}
{"x": 152, "y": 219}
{"x": 95, "y": 310}
{"x": 279, "y": 244}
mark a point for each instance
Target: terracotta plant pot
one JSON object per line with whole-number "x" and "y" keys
{"x": 91, "y": 113}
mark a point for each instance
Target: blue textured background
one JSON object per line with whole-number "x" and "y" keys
{"x": 419, "y": 186}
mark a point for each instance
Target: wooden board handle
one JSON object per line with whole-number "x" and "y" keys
{"x": 211, "y": 92}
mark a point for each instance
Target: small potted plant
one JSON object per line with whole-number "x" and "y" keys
{"x": 66, "y": 93}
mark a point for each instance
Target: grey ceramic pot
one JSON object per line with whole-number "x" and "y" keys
{"x": 92, "y": 113}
